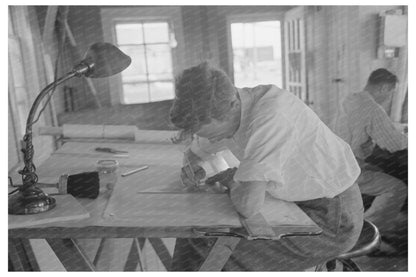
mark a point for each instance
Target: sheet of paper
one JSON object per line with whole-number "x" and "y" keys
{"x": 173, "y": 209}
{"x": 156, "y": 197}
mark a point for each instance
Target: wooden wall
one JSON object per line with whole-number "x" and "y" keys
{"x": 27, "y": 76}
{"x": 205, "y": 38}
{"x": 342, "y": 52}
{"x": 341, "y": 44}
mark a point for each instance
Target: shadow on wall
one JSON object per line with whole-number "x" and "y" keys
{"x": 150, "y": 116}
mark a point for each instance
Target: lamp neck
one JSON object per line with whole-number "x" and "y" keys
{"x": 39, "y": 98}
{"x": 29, "y": 176}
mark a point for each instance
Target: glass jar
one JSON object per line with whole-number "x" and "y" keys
{"x": 107, "y": 172}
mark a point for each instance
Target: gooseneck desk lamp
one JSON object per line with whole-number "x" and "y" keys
{"x": 100, "y": 60}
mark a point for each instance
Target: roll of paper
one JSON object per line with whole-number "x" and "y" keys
{"x": 83, "y": 131}
{"x": 99, "y": 131}
{"x": 120, "y": 131}
{"x": 153, "y": 136}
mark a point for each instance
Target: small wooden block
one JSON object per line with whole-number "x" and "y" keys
{"x": 67, "y": 208}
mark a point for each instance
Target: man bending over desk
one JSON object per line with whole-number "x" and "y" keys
{"x": 284, "y": 150}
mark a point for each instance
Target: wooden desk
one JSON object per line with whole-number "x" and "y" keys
{"x": 149, "y": 193}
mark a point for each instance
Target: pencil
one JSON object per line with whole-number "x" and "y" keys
{"x": 134, "y": 171}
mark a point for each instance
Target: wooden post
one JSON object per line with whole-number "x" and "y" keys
{"x": 73, "y": 43}
{"x": 219, "y": 254}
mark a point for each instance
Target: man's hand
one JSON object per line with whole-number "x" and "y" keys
{"x": 191, "y": 175}
{"x": 225, "y": 178}
{"x": 247, "y": 197}
{"x": 190, "y": 157}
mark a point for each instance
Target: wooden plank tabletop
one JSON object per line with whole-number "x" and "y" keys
{"x": 150, "y": 203}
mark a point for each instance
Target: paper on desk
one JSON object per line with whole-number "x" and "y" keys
{"x": 155, "y": 197}
{"x": 182, "y": 209}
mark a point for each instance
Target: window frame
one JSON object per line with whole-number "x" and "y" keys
{"x": 110, "y": 16}
{"x": 148, "y": 82}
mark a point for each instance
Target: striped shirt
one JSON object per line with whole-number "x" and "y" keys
{"x": 364, "y": 123}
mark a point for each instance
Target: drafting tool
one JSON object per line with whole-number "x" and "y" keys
{"x": 134, "y": 171}
{"x": 109, "y": 150}
{"x": 189, "y": 171}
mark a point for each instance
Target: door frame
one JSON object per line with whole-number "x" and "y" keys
{"x": 296, "y": 14}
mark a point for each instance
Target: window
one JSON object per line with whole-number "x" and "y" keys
{"x": 295, "y": 54}
{"x": 149, "y": 78}
{"x": 257, "y": 57}
{"x": 140, "y": 28}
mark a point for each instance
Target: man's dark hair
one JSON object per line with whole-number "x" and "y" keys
{"x": 202, "y": 92}
{"x": 382, "y": 76}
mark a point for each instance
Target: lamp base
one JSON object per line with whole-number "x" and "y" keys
{"x": 30, "y": 201}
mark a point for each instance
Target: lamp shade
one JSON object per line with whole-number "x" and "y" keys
{"x": 104, "y": 59}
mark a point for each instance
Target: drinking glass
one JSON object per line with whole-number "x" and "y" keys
{"x": 107, "y": 172}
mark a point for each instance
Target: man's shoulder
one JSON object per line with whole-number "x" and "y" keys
{"x": 272, "y": 95}
{"x": 358, "y": 101}
{"x": 357, "y": 96}
{"x": 261, "y": 91}
{"x": 281, "y": 105}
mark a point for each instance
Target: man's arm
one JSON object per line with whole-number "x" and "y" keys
{"x": 191, "y": 172}
{"x": 203, "y": 148}
{"x": 384, "y": 134}
{"x": 248, "y": 197}
{"x": 190, "y": 157}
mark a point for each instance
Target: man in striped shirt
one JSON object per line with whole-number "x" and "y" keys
{"x": 363, "y": 124}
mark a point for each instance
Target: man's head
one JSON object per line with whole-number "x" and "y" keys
{"x": 205, "y": 102}
{"x": 381, "y": 84}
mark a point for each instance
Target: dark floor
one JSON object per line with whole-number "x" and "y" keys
{"x": 395, "y": 164}
{"x": 382, "y": 263}
{"x": 397, "y": 261}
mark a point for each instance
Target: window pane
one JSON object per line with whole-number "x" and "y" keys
{"x": 136, "y": 72}
{"x": 161, "y": 91}
{"x": 159, "y": 60}
{"x": 129, "y": 33}
{"x": 156, "y": 32}
{"x": 152, "y": 64}
{"x": 256, "y": 53}
{"x": 135, "y": 93}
